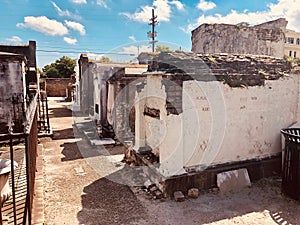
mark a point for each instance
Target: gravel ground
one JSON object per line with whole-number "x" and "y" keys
{"x": 80, "y": 190}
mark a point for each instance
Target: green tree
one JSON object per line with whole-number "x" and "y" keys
{"x": 61, "y": 68}
{"x": 105, "y": 59}
{"x": 163, "y": 48}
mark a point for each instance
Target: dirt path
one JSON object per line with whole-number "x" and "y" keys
{"x": 79, "y": 190}
{"x": 261, "y": 204}
{"x": 74, "y": 192}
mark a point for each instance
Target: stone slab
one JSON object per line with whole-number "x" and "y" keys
{"x": 233, "y": 180}
{"x": 179, "y": 196}
{"x": 103, "y": 141}
{"x": 193, "y": 192}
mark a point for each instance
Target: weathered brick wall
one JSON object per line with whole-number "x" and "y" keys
{"x": 264, "y": 39}
{"x": 56, "y": 87}
{"x": 233, "y": 69}
{"x": 173, "y": 87}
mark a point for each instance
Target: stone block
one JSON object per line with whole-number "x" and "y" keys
{"x": 158, "y": 194}
{"x": 193, "y": 193}
{"x": 233, "y": 180}
{"x": 153, "y": 189}
{"x": 179, "y": 196}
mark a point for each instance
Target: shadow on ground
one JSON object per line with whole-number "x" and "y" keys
{"x": 63, "y": 134}
{"x": 70, "y": 151}
{"x": 59, "y": 112}
{"x": 106, "y": 202}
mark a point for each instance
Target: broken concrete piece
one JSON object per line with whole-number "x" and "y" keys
{"x": 179, "y": 196}
{"x": 158, "y": 194}
{"x": 79, "y": 171}
{"x": 148, "y": 183}
{"x": 103, "y": 141}
{"x": 233, "y": 180}
{"x": 153, "y": 189}
{"x": 214, "y": 190}
{"x": 193, "y": 193}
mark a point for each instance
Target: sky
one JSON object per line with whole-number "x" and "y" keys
{"x": 118, "y": 28}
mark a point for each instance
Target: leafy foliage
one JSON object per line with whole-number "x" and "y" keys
{"x": 293, "y": 61}
{"x": 61, "y": 68}
{"x": 105, "y": 59}
{"x": 163, "y": 48}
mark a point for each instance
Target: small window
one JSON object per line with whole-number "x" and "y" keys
{"x": 290, "y": 40}
{"x": 298, "y": 41}
{"x": 290, "y": 53}
{"x": 295, "y": 54}
{"x": 97, "y": 108}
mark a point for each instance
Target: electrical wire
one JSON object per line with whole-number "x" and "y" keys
{"x": 79, "y": 52}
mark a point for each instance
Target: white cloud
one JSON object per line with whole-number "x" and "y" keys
{"x": 44, "y": 25}
{"x": 75, "y": 26}
{"x": 178, "y": 4}
{"x": 288, "y": 9}
{"x": 79, "y": 1}
{"x": 14, "y": 39}
{"x": 94, "y": 56}
{"x": 71, "y": 41}
{"x": 102, "y": 3}
{"x": 162, "y": 11}
{"x": 205, "y": 6}
{"x": 66, "y": 13}
{"x": 135, "y": 50}
{"x": 132, "y": 38}
{"x": 189, "y": 27}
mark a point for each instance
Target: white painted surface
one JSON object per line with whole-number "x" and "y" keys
{"x": 219, "y": 124}
{"x": 233, "y": 180}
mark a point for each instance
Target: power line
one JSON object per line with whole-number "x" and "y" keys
{"x": 80, "y": 52}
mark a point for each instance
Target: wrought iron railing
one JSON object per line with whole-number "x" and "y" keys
{"x": 43, "y": 116}
{"x": 18, "y": 208}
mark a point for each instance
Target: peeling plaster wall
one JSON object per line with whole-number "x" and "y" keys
{"x": 219, "y": 124}
{"x": 253, "y": 118}
{"x": 12, "y": 84}
{"x": 100, "y": 74}
{"x": 161, "y": 134}
{"x": 263, "y": 39}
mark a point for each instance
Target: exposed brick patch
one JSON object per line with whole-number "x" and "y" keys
{"x": 57, "y": 87}
{"x": 155, "y": 113}
{"x": 232, "y": 69}
{"x": 173, "y": 88}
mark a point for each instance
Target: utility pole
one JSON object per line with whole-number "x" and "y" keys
{"x": 152, "y": 34}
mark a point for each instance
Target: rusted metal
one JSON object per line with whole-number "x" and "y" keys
{"x": 47, "y": 116}
{"x": 29, "y": 136}
{"x": 291, "y": 163}
{"x": 43, "y": 115}
{"x": 13, "y": 178}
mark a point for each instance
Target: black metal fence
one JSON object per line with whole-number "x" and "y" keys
{"x": 18, "y": 208}
{"x": 43, "y": 116}
{"x": 291, "y": 163}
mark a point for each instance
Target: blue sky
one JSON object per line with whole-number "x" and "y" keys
{"x": 117, "y": 27}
